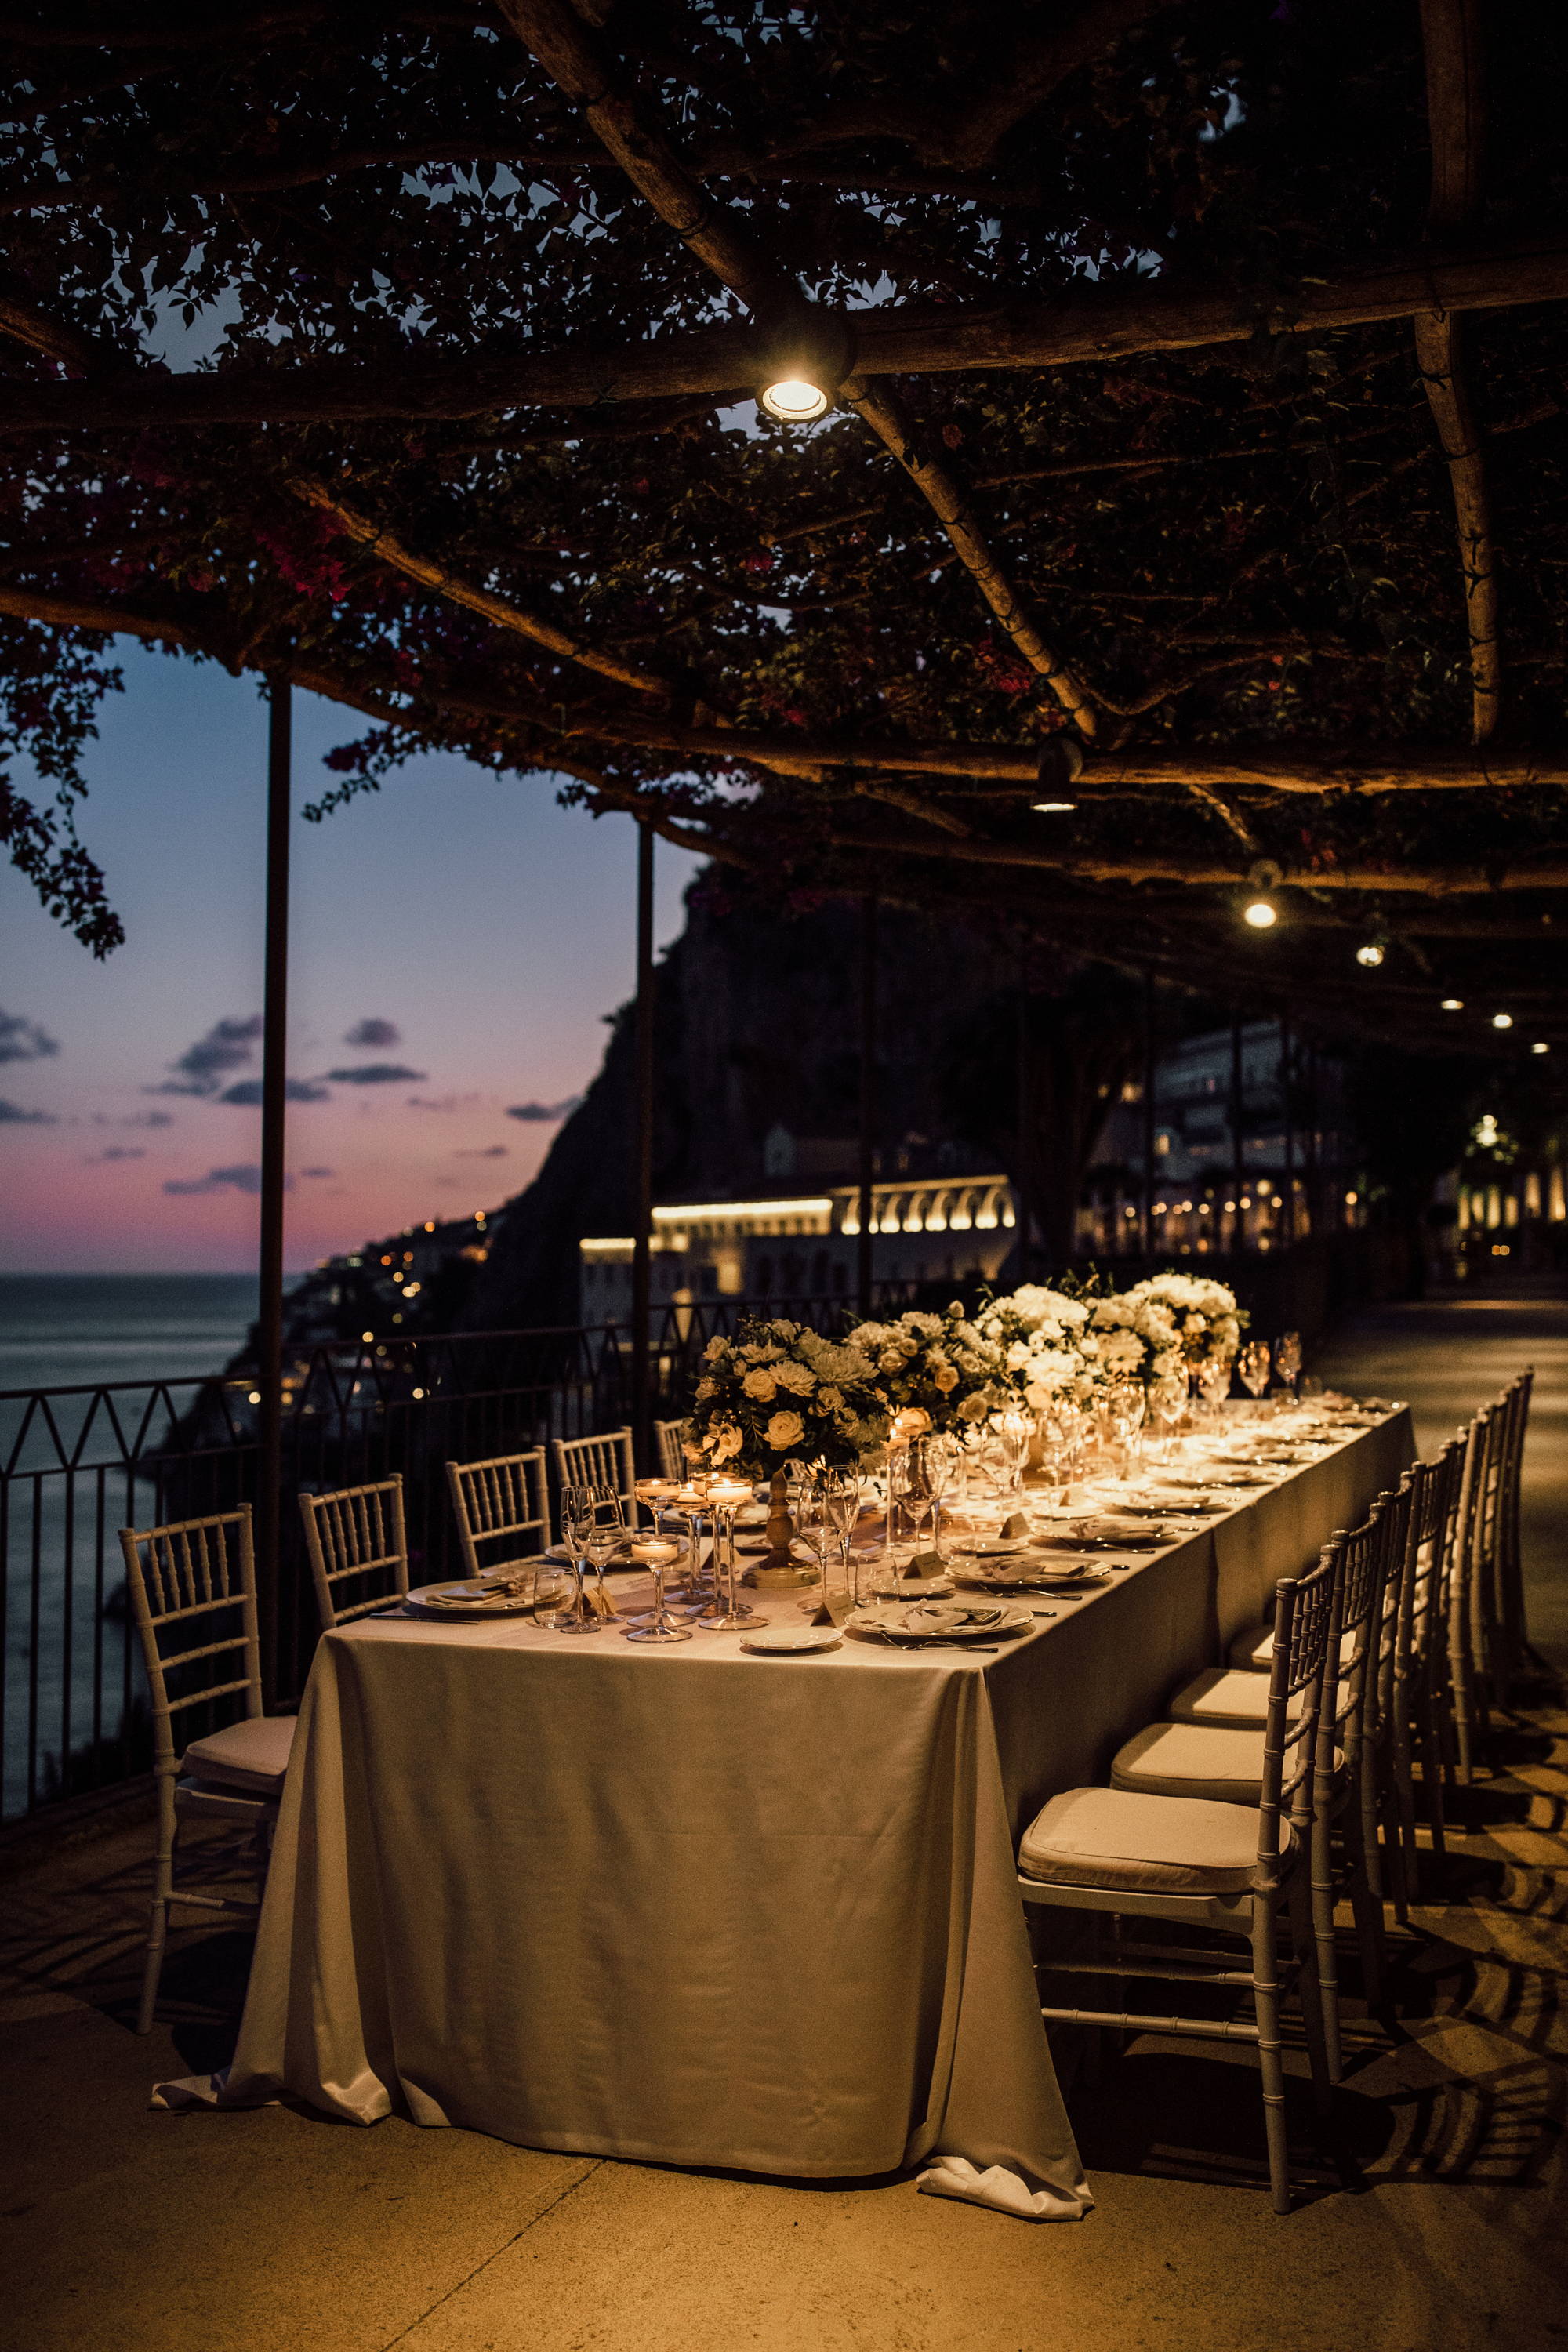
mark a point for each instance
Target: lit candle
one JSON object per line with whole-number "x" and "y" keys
{"x": 655, "y": 1550}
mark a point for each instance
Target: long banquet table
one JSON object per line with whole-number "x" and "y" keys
{"x": 698, "y": 1907}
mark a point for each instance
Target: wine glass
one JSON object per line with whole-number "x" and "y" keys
{"x": 1287, "y": 1361}
{"x": 1128, "y": 1404}
{"x": 578, "y": 1515}
{"x": 1015, "y": 1433}
{"x": 1213, "y": 1386}
{"x": 593, "y": 1520}
{"x": 1168, "y": 1403}
{"x": 1253, "y": 1365}
{"x": 839, "y": 1497}
{"x": 930, "y": 1469}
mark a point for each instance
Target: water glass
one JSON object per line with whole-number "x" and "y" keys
{"x": 1252, "y": 1364}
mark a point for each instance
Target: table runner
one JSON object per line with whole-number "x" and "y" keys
{"x": 694, "y": 1907}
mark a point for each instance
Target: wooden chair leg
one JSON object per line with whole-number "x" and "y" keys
{"x": 1321, "y": 1901}
{"x": 1309, "y": 1992}
{"x": 1432, "y": 1771}
{"x": 158, "y": 1914}
{"x": 1266, "y": 2005}
{"x": 1367, "y": 1909}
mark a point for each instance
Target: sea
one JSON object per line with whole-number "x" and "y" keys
{"x": 69, "y": 1331}
{"x": 70, "y": 1674}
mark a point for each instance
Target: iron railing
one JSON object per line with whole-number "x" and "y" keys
{"x": 79, "y": 1463}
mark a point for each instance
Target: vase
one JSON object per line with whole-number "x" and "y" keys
{"x": 777, "y": 1571}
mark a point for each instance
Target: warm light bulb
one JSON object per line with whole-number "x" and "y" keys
{"x": 1370, "y": 955}
{"x": 1502, "y": 1021}
{"x": 1540, "y": 1046}
{"x": 795, "y": 400}
{"x": 1262, "y": 914}
{"x": 1054, "y": 808}
{"x": 1453, "y": 1004}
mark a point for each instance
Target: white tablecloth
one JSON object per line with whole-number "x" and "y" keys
{"x": 697, "y": 1906}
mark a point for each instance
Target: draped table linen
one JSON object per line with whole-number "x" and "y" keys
{"x": 694, "y": 1907}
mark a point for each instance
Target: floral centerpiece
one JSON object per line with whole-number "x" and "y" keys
{"x": 1183, "y": 1320}
{"x": 778, "y": 1392}
{"x": 933, "y": 1371}
{"x": 1039, "y": 1336}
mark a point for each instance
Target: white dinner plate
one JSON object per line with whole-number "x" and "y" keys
{"x": 467, "y": 1600}
{"x": 912, "y": 1588}
{"x": 792, "y": 1640}
{"x": 988, "y": 1546}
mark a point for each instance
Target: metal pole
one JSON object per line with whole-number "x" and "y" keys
{"x": 642, "y": 1227}
{"x": 1288, "y": 1103}
{"x": 1025, "y": 1083}
{"x": 1150, "y": 1061}
{"x": 865, "y": 1246}
{"x": 1314, "y": 1144}
{"x": 1238, "y": 1143}
{"x": 274, "y": 1113}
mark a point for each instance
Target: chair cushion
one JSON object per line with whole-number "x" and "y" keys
{"x": 1192, "y": 1760}
{"x": 1254, "y": 1647}
{"x": 250, "y": 1753}
{"x": 1228, "y": 1695}
{"x": 1149, "y": 1846}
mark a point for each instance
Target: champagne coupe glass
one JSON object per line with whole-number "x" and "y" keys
{"x": 657, "y": 1551}
{"x": 577, "y": 1511}
{"x": 729, "y": 1611}
{"x": 1253, "y": 1365}
{"x": 1287, "y": 1361}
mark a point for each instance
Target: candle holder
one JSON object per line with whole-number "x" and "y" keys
{"x": 656, "y": 1552}
{"x": 729, "y": 1611}
{"x": 778, "y": 1570}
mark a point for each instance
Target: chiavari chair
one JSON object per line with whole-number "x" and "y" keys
{"x": 501, "y": 1501}
{"x": 358, "y": 1548}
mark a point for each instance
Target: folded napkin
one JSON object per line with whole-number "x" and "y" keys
{"x": 1003, "y": 2191}
{"x": 1016, "y": 1523}
{"x": 949, "y": 1616}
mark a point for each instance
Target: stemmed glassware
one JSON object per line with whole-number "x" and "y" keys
{"x": 1214, "y": 1385}
{"x": 1287, "y": 1361}
{"x": 593, "y": 1522}
{"x": 578, "y": 1511}
{"x": 656, "y": 1551}
{"x": 838, "y": 1500}
{"x": 1127, "y": 1405}
{"x": 729, "y": 1611}
{"x": 1168, "y": 1402}
{"x": 931, "y": 1458}
{"x": 1252, "y": 1364}
{"x": 1015, "y": 1436}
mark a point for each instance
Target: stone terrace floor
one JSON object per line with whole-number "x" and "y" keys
{"x": 1435, "y": 2222}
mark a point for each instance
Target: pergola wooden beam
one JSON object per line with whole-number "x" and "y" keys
{"x": 586, "y": 73}
{"x": 727, "y": 362}
{"x": 1451, "y": 37}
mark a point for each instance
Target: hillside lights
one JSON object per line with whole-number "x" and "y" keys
{"x": 807, "y": 360}
{"x": 1453, "y": 1004}
{"x": 1502, "y": 1021}
{"x": 1540, "y": 1046}
{"x": 1369, "y": 954}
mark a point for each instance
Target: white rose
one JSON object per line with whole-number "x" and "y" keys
{"x": 760, "y": 1384}
{"x": 784, "y": 1430}
{"x": 727, "y": 1440}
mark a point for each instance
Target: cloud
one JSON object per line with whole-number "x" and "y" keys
{"x": 246, "y": 1178}
{"x": 542, "y": 1113}
{"x": 376, "y": 1074}
{"x": 247, "y": 1092}
{"x": 13, "y": 1115}
{"x": 318, "y": 1172}
{"x": 117, "y": 1152}
{"x": 489, "y": 1151}
{"x": 135, "y": 1118}
{"x": 23, "y": 1041}
{"x": 373, "y": 1032}
{"x": 200, "y": 1067}
{"x": 442, "y": 1102}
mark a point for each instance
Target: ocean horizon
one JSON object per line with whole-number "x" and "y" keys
{"x": 72, "y": 1330}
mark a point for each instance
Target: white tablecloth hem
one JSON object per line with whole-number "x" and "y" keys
{"x": 1003, "y": 2191}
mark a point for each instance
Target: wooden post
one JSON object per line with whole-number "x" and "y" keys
{"x": 274, "y": 1115}
{"x": 642, "y": 1174}
{"x": 1237, "y": 1136}
{"x": 1314, "y": 1145}
{"x": 1149, "y": 1128}
{"x": 865, "y": 1248}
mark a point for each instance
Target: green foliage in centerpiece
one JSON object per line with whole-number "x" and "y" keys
{"x": 933, "y": 1371}
{"x": 778, "y": 1392}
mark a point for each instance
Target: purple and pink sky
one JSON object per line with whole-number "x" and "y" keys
{"x": 456, "y": 940}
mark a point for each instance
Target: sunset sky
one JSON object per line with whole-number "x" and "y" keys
{"x": 456, "y": 940}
